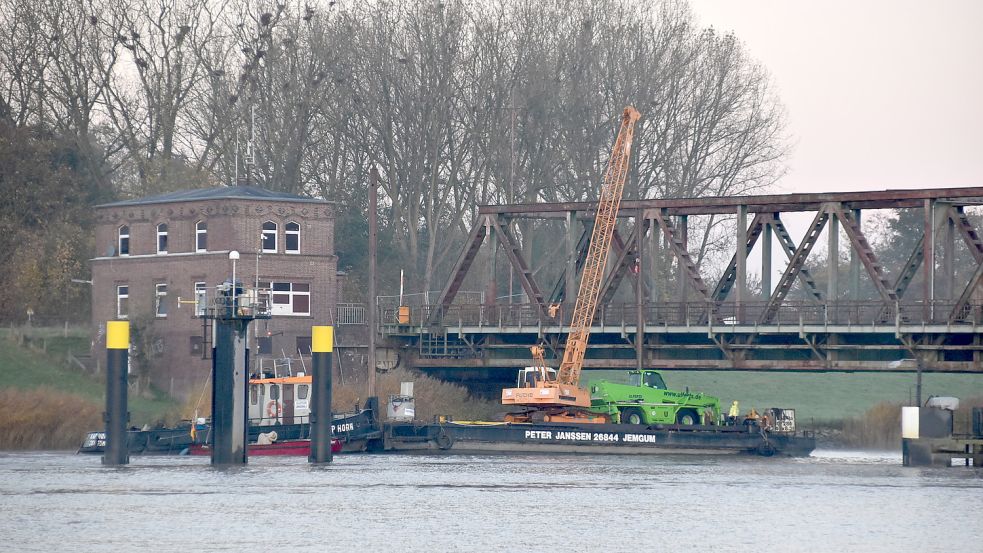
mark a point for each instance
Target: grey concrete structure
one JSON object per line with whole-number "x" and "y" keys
{"x": 153, "y": 251}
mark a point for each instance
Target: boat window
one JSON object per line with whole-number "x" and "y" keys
{"x": 654, "y": 380}
{"x": 254, "y": 394}
{"x": 274, "y": 391}
{"x": 302, "y": 391}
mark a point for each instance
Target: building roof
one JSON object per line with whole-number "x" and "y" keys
{"x": 217, "y": 193}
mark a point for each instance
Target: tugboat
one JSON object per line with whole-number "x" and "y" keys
{"x": 279, "y": 404}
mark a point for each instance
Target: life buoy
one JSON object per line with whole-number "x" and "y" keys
{"x": 273, "y": 409}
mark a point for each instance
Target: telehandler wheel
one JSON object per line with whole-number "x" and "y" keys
{"x": 632, "y": 415}
{"x": 688, "y": 417}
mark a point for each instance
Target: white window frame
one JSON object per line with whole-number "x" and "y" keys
{"x": 264, "y": 232}
{"x": 160, "y": 300}
{"x": 120, "y": 236}
{"x": 287, "y": 233}
{"x": 286, "y": 308}
{"x": 201, "y": 232}
{"x": 201, "y": 298}
{"x": 120, "y": 296}
{"x": 162, "y": 234}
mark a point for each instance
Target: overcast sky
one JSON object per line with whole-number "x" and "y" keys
{"x": 879, "y": 94}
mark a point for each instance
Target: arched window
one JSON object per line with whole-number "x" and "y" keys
{"x": 201, "y": 236}
{"x": 269, "y": 237}
{"x": 292, "y": 237}
{"x": 162, "y": 238}
{"x": 124, "y": 240}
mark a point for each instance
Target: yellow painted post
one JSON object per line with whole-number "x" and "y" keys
{"x": 116, "y": 416}
{"x": 322, "y": 345}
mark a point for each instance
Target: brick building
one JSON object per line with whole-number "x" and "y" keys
{"x": 154, "y": 250}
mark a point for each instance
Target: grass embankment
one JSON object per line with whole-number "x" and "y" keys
{"x": 47, "y": 404}
{"x": 856, "y": 410}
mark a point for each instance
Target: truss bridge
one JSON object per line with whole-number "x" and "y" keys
{"x": 822, "y": 302}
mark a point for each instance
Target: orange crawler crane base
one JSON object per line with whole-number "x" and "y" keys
{"x": 557, "y": 395}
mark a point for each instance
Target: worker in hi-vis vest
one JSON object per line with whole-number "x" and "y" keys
{"x": 735, "y": 411}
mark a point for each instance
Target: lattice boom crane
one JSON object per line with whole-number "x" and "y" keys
{"x": 540, "y": 387}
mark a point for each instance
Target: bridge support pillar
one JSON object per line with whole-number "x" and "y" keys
{"x": 948, "y": 251}
{"x": 928, "y": 259}
{"x": 765, "y": 261}
{"x": 570, "y": 282}
{"x": 681, "y": 273}
{"x": 855, "y": 264}
{"x": 491, "y": 286}
{"x": 833, "y": 265}
{"x": 740, "y": 282}
{"x": 639, "y": 290}
{"x": 655, "y": 257}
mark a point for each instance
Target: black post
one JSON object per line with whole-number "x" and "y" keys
{"x": 322, "y": 344}
{"x": 230, "y": 430}
{"x": 116, "y": 416}
{"x": 918, "y": 382}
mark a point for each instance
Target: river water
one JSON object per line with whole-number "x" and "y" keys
{"x": 832, "y": 501}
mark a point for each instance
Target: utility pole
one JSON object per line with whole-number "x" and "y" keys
{"x": 371, "y": 307}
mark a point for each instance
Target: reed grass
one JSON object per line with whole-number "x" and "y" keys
{"x": 45, "y": 419}
{"x": 880, "y": 426}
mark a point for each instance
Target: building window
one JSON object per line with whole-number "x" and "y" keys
{"x": 201, "y": 236}
{"x": 304, "y": 345}
{"x": 162, "y": 238}
{"x": 197, "y": 345}
{"x": 122, "y": 301}
{"x": 201, "y": 299}
{"x": 160, "y": 300}
{"x": 292, "y": 237}
{"x": 264, "y": 344}
{"x": 124, "y": 240}
{"x": 289, "y": 298}
{"x": 269, "y": 237}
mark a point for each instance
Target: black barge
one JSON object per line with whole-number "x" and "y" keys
{"x": 472, "y": 437}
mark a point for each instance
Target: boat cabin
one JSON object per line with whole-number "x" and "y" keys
{"x": 279, "y": 399}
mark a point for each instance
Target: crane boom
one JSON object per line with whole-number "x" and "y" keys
{"x": 539, "y": 386}
{"x": 597, "y": 254}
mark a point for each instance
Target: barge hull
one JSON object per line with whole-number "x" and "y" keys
{"x": 606, "y": 439}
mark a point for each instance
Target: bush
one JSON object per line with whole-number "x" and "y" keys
{"x": 432, "y": 397}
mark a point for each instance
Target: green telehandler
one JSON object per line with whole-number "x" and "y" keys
{"x": 646, "y": 400}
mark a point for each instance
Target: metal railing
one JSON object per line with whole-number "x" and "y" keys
{"x": 704, "y": 314}
{"x": 421, "y": 299}
{"x": 350, "y": 314}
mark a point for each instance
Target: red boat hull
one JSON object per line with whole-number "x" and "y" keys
{"x": 286, "y": 447}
